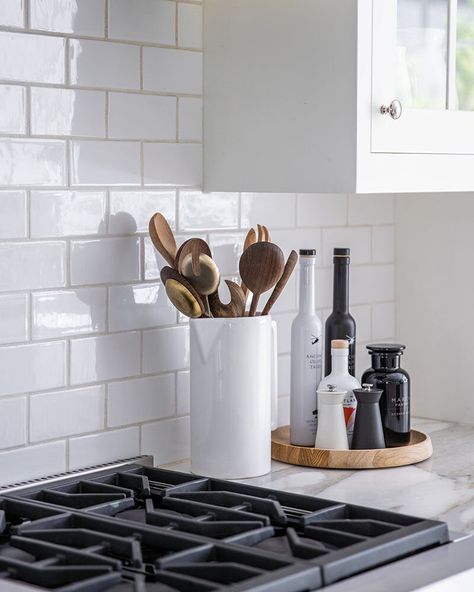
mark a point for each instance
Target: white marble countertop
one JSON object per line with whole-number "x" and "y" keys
{"x": 441, "y": 487}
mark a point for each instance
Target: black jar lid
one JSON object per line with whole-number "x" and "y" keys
{"x": 386, "y": 348}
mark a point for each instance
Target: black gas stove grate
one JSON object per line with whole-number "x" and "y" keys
{"x": 148, "y": 530}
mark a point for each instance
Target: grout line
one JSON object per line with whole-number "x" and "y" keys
{"x": 107, "y": 107}
{"x": 106, "y": 20}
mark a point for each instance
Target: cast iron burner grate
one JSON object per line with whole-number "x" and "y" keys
{"x": 141, "y": 529}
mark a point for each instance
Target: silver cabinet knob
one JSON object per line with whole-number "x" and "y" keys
{"x": 394, "y": 109}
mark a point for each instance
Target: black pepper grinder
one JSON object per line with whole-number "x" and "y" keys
{"x": 368, "y": 431}
{"x": 394, "y": 382}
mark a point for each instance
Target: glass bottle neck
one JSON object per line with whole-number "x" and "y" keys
{"x": 341, "y": 285}
{"x": 307, "y": 289}
{"x": 339, "y": 363}
{"x": 386, "y": 361}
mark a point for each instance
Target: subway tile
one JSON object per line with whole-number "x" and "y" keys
{"x": 298, "y": 238}
{"x": 167, "y": 440}
{"x": 144, "y": 117}
{"x": 68, "y": 312}
{"x": 139, "y": 306}
{"x": 363, "y": 318}
{"x": 284, "y": 375}
{"x": 287, "y": 300}
{"x": 12, "y": 422}
{"x": 76, "y": 112}
{"x": 198, "y": 211}
{"x": 226, "y": 250}
{"x": 165, "y": 350}
{"x": 104, "y": 65}
{"x": 13, "y": 218}
{"x": 321, "y": 209}
{"x": 151, "y": 21}
{"x": 66, "y": 413}
{"x": 383, "y": 320}
{"x": 30, "y": 265}
{"x": 190, "y": 25}
{"x": 275, "y": 210}
{"x": 106, "y": 357}
{"x": 357, "y": 239}
{"x": 371, "y": 209}
{"x": 284, "y": 322}
{"x": 153, "y": 260}
{"x": 13, "y": 318}
{"x": 105, "y": 163}
{"x": 32, "y": 367}
{"x": 283, "y": 411}
{"x": 172, "y": 164}
{"x": 82, "y": 17}
{"x": 183, "y": 388}
{"x": 12, "y": 113}
{"x": 32, "y": 462}
{"x": 12, "y": 13}
{"x": 324, "y": 287}
{"x": 143, "y": 399}
{"x": 130, "y": 211}
{"x": 32, "y": 162}
{"x": 65, "y": 213}
{"x": 102, "y": 448}
{"x": 372, "y": 283}
{"x": 383, "y": 244}
{"x": 32, "y": 58}
{"x": 104, "y": 261}
{"x": 190, "y": 119}
{"x": 172, "y": 70}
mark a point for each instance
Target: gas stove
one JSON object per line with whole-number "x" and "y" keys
{"x": 129, "y": 527}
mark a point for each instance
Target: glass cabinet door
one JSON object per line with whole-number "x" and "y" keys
{"x": 423, "y": 75}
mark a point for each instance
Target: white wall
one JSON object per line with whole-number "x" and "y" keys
{"x": 100, "y": 123}
{"x": 435, "y": 297}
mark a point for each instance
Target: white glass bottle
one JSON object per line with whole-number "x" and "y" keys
{"x": 344, "y": 381}
{"x": 306, "y": 356}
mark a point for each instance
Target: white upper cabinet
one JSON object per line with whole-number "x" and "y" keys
{"x": 358, "y": 96}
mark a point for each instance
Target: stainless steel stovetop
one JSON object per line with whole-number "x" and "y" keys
{"x": 129, "y": 527}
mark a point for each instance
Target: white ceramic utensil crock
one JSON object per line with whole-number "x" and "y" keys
{"x": 233, "y": 395}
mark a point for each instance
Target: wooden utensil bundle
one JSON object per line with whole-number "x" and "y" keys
{"x": 192, "y": 278}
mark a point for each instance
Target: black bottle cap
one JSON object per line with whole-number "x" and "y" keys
{"x": 342, "y": 252}
{"x": 308, "y": 252}
{"x": 386, "y": 348}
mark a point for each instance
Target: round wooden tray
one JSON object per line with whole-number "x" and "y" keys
{"x": 419, "y": 448}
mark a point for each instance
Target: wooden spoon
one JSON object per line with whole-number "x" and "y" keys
{"x": 259, "y": 233}
{"x": 236, "y": 306}
{"x": 266, "y": 234}
{"x": 182, "y": 294}
{"x": 261, "y": 266}
{"x": 194, "y": 247}
{"x": 280, "y": 285}
{"x": 162, "y": 237}
{"x": 250, "y": 239}
{"x": 208, "y": 279}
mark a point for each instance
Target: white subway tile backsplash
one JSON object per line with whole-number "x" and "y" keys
{"x": 190, "y": 25}
{"x": 105, "y": 357}
{"x": 32, "y": 367}
{"x": 383, "y": 320}
{"x": 105, "y": 163}
{"x": 13, "y": 318}
{"x": 102, "y": 448}
{"x": 190, "y": 119}
{"x": 82, "y": 17}
{"x": 284, "y": 368}
{"x": 13, "y": 422}
{"x": 76, "y": 112}
{"x": 32, "y": 58}
{"x": 68, "y": 312}
{"x": 372, "y": 283}
{"x": 139, "y": 306}
{"x": 130, "y": 211}
{"x": 363, "y": 318}
{"x": 151, "y": 21}
{"x": 65, "y": 213}
{"x": 283, "y": 411}
{"x": 165, "y": 350}
{"x": 383, "y": 244}
{"x": 183, "y": 388}
{"x": 104, "y": 65}
{"x": 357, "y": 239}
{"x": 275, "y": 210}
{"x": 143, "y": 399}
{"x": 12, "y": 13}
{"x": 105, "y": 261}
{"x": 301, "y": 238}
{"x": 371, "y": 209}
{"x": 167, "y": 440}
{"x": 12, "y": 113}
{"x": 29, "y": 265}
{"x": 146, "y": 117}
{"x": 32, "y": 462}
{"x": 172, "y": 164}
{"x": 66, "y": 413}
{"x": 321, "y": 209}
{"x": 199, "y": 211}
{"x": 284, "y": 321}
{"x": 32, "y": 162}
{"x": 172, "y": 70}
{"x": 13, "y": 218}
{"x": 226, "y": 250}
